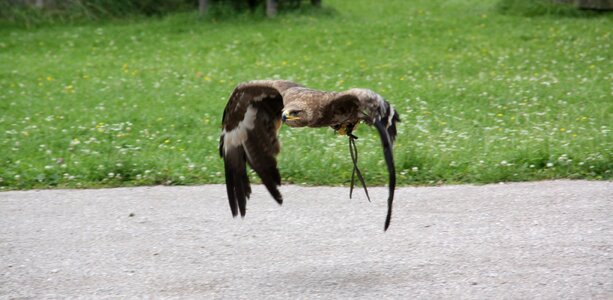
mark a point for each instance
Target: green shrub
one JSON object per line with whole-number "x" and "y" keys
{"x": 533, "y": 8}
{"x": 16, "y": 12}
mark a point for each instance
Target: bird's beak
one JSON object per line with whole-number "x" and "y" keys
{"x": 286, "y": 116}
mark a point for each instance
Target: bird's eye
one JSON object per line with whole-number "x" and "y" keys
{"x": 294, "y": 113}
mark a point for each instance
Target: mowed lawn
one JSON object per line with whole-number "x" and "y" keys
{"x": 483, "y": 97}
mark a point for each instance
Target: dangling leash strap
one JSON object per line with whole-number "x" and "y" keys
{"x": 354, "y": 157}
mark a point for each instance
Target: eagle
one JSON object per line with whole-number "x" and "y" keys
{"x": 255, "y": 111}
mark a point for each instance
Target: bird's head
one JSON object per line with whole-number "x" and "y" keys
{"x": 295, "y": 115}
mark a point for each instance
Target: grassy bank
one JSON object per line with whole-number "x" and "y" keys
{"x": 483, "y": 96}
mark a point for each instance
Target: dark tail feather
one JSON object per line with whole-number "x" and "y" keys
{"x": 389, "y": 159}
{"x": 243, "y": 191}
{"x": 230, "y": 188}
{"x": 237, "y": 181}
{"x": 230, "y": 171}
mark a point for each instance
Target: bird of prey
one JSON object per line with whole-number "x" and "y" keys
{"x": 255, "y": 112}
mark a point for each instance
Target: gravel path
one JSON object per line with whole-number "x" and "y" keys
{"x": 537, "y": 240}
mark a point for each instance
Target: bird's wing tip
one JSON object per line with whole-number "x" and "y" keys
{"x": 388, "y": 220}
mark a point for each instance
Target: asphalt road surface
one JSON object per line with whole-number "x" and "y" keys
{"x": 538, "y": 240}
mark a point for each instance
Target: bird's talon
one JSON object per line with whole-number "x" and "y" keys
{"x": 345, "y": 129}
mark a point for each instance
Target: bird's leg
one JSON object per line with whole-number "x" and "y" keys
{"x": 345, "y": 129}
{"x": 353, "y": 150}
{"x": 341, "y": 129}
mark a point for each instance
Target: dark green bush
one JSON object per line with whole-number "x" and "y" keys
{"x": 20, "y": 12}
{"x": 23, "y": 12}
{"x": 531, "y": 8}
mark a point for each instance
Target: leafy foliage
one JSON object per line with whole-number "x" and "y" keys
{"x": 15, "y": 12}
{"x": 532, "y": 8}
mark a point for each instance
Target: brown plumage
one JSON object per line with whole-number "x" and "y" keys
{"x": 254, "y": 113}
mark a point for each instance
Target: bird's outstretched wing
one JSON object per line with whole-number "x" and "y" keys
{"x": 373, "y": 110}
{"x": 250, "y": 123}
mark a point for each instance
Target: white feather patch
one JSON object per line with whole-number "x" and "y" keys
{"x": 260, "y": 97}
{"x": 391, "y": 116}
{"x": 237, "y": 136}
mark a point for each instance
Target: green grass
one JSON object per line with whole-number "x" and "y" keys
{"x": 483, "y": 96}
